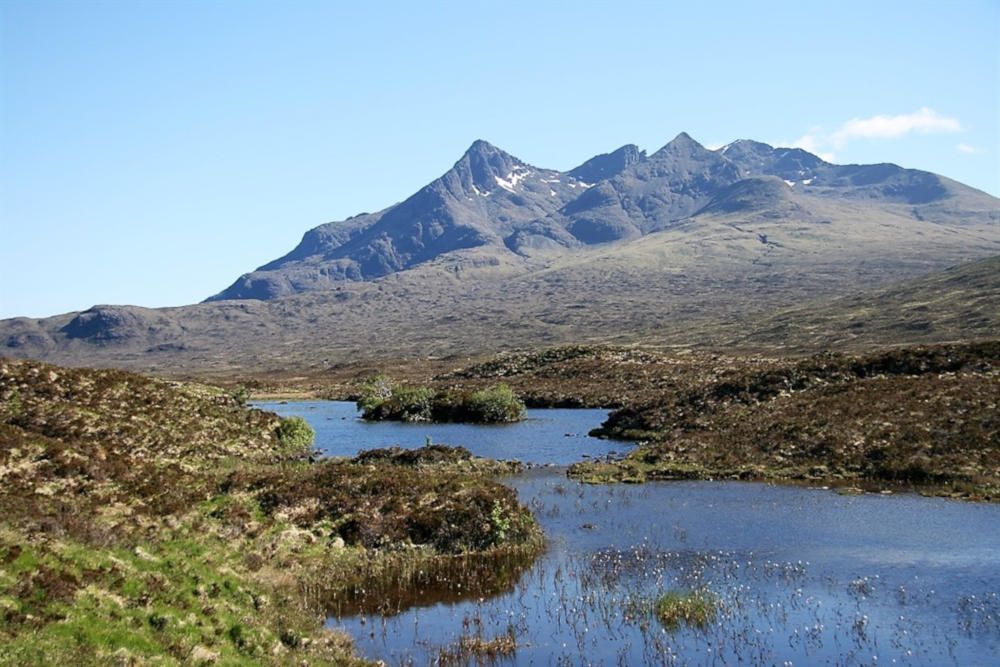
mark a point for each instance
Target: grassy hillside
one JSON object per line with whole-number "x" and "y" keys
{"x": 148, "y": 521}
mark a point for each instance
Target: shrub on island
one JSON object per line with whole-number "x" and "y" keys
{"x": 381, "y": 400}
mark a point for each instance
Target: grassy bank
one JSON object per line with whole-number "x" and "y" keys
{"x": 145, "y": 521}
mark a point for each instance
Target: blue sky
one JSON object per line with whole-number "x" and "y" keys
{"x": 151, "y": 152}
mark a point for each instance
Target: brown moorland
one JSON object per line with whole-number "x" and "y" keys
{"x": 143, "y": 518}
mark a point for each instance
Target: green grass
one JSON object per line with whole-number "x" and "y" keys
{"x": 164, "y": 601}
{"x": 695, "y": 609}
{"x": 295, "y": 435}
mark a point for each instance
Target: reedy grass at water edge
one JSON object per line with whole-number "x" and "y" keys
{"x": 476, "y": 648}
{"x": 693, "y": 608}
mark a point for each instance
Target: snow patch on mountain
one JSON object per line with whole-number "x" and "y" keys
{"x": 513, "y": 178}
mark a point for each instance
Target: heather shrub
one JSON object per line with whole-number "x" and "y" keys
{"x": 380, "y": 400}
{"x": 374, "y": 393}
{"x": 497, "y": 404}
{"x": 295, "y": 434}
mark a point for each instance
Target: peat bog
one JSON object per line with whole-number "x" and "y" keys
{"x": 147, "y": 519}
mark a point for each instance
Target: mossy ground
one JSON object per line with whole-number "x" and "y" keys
{"x": 916, "y": 417}
{"x": 146, "y": 522}
{"x": 181, "y": 593}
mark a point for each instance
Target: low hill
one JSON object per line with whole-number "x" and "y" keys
{"x": 431, "y": 312}
{"x": 912, "y": 416}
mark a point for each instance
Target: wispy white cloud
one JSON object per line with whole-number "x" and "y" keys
{"x": 814, "y": 145}
{"x": 922, "y": 121}
{"x": 966, "y": 148}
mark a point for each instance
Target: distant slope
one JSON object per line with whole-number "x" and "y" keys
{"x": 434, "y": 312}
{"x": 961, "y": 303}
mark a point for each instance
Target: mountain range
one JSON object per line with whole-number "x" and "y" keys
{"x": 684, "y": 246}
{"x": 490, "y": 200}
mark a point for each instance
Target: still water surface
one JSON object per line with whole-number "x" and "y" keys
{"x": 547, "y": 436}
{"x": 804, "y": 576}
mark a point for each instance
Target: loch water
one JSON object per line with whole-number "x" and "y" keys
{"x": 802, "y": 576}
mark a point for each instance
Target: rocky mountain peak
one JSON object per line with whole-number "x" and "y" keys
{"x": 607, "y": 165}
{"x": 483, "y": 165}
{"x": 746, "y": 144}
{"x": 481, "y": 147}
{"x": 682, "y": 144}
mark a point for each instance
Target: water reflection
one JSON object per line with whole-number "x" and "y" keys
{"x": 789, "y": 590}
{"x": 443, "y": 580}
{"x": 554, "y": 436}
